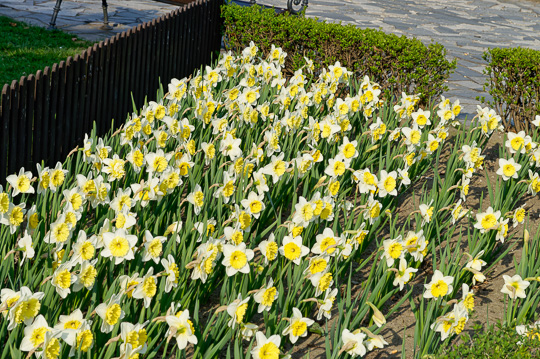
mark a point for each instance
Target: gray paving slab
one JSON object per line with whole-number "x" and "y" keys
{"x": 85, "y": 17}
{"x": 466, "y": 28}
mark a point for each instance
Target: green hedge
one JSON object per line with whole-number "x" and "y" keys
{"x": 514, "y": 82}
{"x": 398, "y": 64}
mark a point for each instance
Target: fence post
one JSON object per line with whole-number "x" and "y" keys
{"x": 4, "y": 132}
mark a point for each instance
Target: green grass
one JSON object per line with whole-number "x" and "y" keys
{"x": 24, "y": 49}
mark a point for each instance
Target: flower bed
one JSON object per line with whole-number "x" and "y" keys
{"x": 234, "y": 216}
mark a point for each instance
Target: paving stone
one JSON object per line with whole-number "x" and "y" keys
{"x": 465, "y": 27}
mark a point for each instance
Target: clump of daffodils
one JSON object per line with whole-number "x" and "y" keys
{"x": 237, "y": 180}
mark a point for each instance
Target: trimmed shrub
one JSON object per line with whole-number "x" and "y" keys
{"x": 514, "y": 82}
{"x": 398, "y": 64}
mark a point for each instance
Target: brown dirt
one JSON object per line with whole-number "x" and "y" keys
{"x": 489, "y": 305}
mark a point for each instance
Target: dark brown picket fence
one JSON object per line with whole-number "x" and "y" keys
{"x": 44, "y": 116}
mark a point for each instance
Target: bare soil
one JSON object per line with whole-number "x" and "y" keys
{"x": 489, "y": 305}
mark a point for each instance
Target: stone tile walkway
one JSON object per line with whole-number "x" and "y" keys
{"x": 465, "y": 27}
{"x": 85, "y": 17}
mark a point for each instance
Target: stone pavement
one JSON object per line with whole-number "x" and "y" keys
{"x": 85, "y": 17}
{"x": 465, "y": 27}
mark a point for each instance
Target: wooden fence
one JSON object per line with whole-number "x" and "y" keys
{"x": 44, "y": 116}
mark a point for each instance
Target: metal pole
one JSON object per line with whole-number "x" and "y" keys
{"x": 106, "y": 25}
{"x": 52, "y": 25}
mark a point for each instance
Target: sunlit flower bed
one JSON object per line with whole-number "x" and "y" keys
{"x": 244, "y": 212}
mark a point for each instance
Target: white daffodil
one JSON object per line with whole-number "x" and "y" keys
{"x": 76, "y": 197}
{"x": 122, "y": 200}
{"x": 184, "y": 164}
{"x": 147, "y": 288}
{"x": 317, "y": 264}
{"x": 227, "y": 190}
{"x": 348, "y": 148}
{"x": 439, "y": 286}
{"x": 119, "y": 246}
{"x": 293, "y": 249}
{"x": 33, "y": 219}
{"x": 34, "y": 334}
{"x": 84, "y": 248}
{"x": 374, "y": 340}
{"x": 72, "y": 321}
{"x": 14, "y": 217}
{"x": 508, "y": 168}
{"x": 476, "y": 265}
{"x": 337, "y": 166}
{"x": 487, "y": 220}
{"x": 373, "y": 210}
{"x": 403, "y": 274}
{"x": 353, "y": 343}
{"x": 426, "y": 211}
{"x": 421, "y": 118}
{"x": 52, "y": 346}
{"x": 237, "y": 310}
{"x": 25, "y": 244}
{"x": 269, "y": 249}
{"x": 23, "y": 306}
{"x": 260, "y": 183}
{"x": 467, "y": 297}
{"x": 298, "y": 326}
{"x": 276, "y": 168}
{"x": 110, "y": 312}
{"x": 87, "y": 276}
{"x": 304, "y": 212}
{"x": 236, "y": 258}
{"x": 412, "y": 136}
{"x": 515, "y": 286}
{"x": 153, "y": 247}
{"x": 519, "y": 216}
{"x": 114, "y": 167}
{"x": 266, "y": 296}
{"x": 326, "y": 243}
{"x": 321, "y": 281}
{"x": 416, "y": 244}
{"x": 254, "y": 204}
{"x": 172, "y": 273}
{"x": 366, "y": 181}
{"x": 517, "y": 142}
{"x": 44, "y": 179}
{"x": 266, "y": 348}
{"x": 181, "y": 329}
{"x": 21, "y": 183}
{"x": 196, "y": 198}
{"x": 387, "y": 183}
{"x": 62, "y": 279}
{"x": 134, "y": 335}
{"x": 445, "y": 325}
{"x": 325, "y": 309}
{"x": 458, "y": 212}
{"x": 432, "y": 143}
{"x": 81, "y": 338}
{"x": 392, "y": 250}
{"x": 230, "y": 147}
